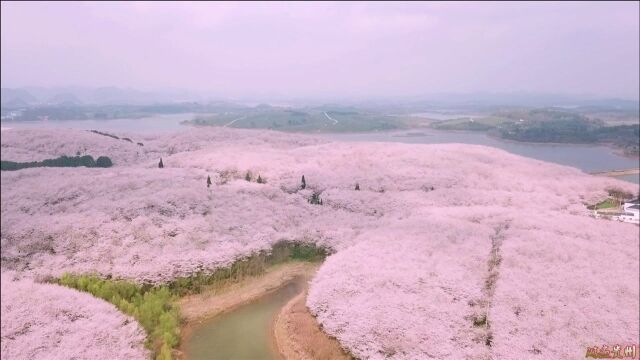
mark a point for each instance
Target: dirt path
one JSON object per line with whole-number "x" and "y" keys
{"x": 330, "y": 118}
{"x": 299, "y": 337}
{"x": 232, "y": 121}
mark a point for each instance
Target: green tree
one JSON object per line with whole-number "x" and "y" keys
{"x": 103, "y": 162}
{"x": 618, "y": 194}
{"x": 260, "y": 180}
{"x": 304, "y": 183}
{"x": 208, "y": 181}
{"x": 87, "y": 161}
{"x": 248, "y": 176}
{"x": 357, "y": 187}
{"x": 160, "y": 164}
{"x": 315, "y": 199}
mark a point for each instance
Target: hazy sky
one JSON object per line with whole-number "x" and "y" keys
{"x": 325, "y": 49}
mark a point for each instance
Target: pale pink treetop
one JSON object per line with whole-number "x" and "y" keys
{"x": 45, "y": 321}
{"x": 411, "y": 263}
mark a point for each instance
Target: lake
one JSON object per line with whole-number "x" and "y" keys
{"x": 156, "y": 123}
{"x": 589, "y": 158}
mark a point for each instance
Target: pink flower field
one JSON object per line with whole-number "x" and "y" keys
{"x": 43, "y": 321}
{"x": 448, "y": 251}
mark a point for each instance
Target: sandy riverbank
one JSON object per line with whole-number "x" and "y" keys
{"x": 218, "y": 300}
{"x": 214, "y": 301}
{"x": 615, "y": 173}
{"x": 299, "y": 337}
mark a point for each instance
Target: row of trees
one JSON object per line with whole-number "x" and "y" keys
{"x": 619, "y": 194}
{"x": 315, "y": 197}
{"x": 249, "y": 176}
{"x": 62, "y": 161}
{"x": 115, "y": 137}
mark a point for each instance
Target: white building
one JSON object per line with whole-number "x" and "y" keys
{"x": 631, "y": 203}
{"x": 631, "y": 212}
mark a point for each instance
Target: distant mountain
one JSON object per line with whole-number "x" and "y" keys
{"x": 66, "y": 99}
{"x": 17, "y": 98}
{"x": 492, "y": 101}
{"x": 91, "y": 96}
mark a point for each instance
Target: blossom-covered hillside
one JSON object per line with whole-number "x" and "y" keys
{"x": 446, "y": 251}
{"x": 44, "y": 321}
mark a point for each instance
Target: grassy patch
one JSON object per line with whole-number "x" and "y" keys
{"x": 478, "y": 124}
{"x": 154, "y": 306}
{"x": 325, "y": 119}
{"x": 605, "y": 204}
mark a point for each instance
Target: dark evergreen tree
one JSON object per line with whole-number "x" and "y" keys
{"x": 160, "y": 164}
{"x": 248, "y": 176}
{"x": 87, "y": 161}
{"x": 103, "y": 162}
{"x": 260, "y": 181}
{"x": 208, "y": 181}
{"x": 62, "y": 161}
{"x": 304, "y": 183}
{"x": 315, "y": 199}
{"x": 357, "y": 186}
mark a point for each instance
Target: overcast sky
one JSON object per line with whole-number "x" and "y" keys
{"x": 325, "y": 49}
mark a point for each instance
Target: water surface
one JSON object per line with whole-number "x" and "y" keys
{"x": 244, "y": 333}
{"x": 155, "y": 123}
{"x": 589, "y": 158}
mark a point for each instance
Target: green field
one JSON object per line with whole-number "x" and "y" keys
{"x": 304, "y": 120}
{"x": 607, "y": 204}
{"x": 470, "y": 123}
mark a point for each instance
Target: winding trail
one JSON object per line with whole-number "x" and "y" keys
{"x": 330, "y": 118}
{"x": 232, "y": 121}
{"x": 482, "y": 319}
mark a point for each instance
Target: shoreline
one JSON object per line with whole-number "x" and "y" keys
{"x": 298, "y": 336}
{"x": 613, "y": 148}
{"x": 616, "y": 173}
{"x": 199, "y": 308}
{"x": 186, "y": 124}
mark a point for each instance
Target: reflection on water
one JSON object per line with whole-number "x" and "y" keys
{"x": 589, "y": 158}
{"x": 243, "y": 333}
